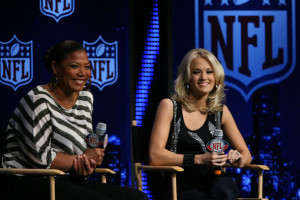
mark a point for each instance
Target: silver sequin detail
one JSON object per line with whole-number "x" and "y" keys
{"x": 176, "y": 129}
{"x": 211, "y": 128}
{"x": 198, "y": 139}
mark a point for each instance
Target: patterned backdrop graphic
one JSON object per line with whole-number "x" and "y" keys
{"x": 256, "y": 42}
{"x": 28, "y": 29}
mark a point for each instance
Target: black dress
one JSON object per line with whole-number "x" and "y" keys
{"x": 184, "y": 141}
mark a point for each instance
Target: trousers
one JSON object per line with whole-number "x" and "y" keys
{"x": 219, "y": 188}
{"x": 66, "y": 187}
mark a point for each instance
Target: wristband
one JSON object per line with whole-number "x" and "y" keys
{"x": 188, "y": 160}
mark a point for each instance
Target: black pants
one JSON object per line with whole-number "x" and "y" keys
{"x": 216, "y": 188}
{"x": 66, "y": 187}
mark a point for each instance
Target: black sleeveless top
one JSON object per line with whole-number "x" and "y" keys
{"x": 184, "y": 141}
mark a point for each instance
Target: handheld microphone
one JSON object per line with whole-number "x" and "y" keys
{"x": 217, "y": 144}
{"x": 101, "y": 130}
{"x": 98, "y": 139}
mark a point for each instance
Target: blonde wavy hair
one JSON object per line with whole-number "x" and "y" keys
{"x": 216, "y": 97}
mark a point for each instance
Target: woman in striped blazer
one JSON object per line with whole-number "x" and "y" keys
{"x": 48, "y": 130}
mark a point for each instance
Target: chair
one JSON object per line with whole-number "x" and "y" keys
{"x": 51, "y": 173}
{"x": 46, "y": 172}
{"x": 140, "y": 151}
{"x": 260, "y": 170}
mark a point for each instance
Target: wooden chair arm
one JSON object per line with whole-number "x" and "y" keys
{"x": 260, "y": 169}
{"x": 104, "y": 172}
{"x": 250, "y": 166}
{"x": 173, "y": 169}
{"x": 51, "y": 172}
{"x": 160, "y": 168}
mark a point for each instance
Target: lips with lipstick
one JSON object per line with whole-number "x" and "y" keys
{"x": 203, "y": 84}
{"x": 79, "y": 81}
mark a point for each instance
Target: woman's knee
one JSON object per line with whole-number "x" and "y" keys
{"x": 225, "y": 188}
{"x": 193, "y": 194}
{"x": 135, "y": 194}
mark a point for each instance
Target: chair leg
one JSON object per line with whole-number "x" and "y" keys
{"x": 174, "y": 186}
{"x": 139, "y": 180}
{"x": 103, "y": 178}
{"x": 260, "y": 183}
{"x": 52, "y": 188}
{"x": 138, "y": 176}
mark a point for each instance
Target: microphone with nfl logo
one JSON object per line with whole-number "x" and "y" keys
{"x": 98, "y": 139}
{"x": 217, "y": 144}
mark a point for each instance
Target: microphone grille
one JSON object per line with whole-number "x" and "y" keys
{"x": 218, "y": 133}
{"x": 101, "y": 128}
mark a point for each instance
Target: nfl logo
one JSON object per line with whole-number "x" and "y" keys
{"x": 253, "y": 39}
{"x": 93, "y": 140}
{"x": 217, "y": 145}
{"x": 57, "y": 9}
{"x": 104, "y": 59}
{"x": 16, "y": 63}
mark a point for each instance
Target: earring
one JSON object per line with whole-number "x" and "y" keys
{"x": 187, "y": 87}
{"x": 216, "y": 86}
{"x": 54, "y": 80}
{"x": 89, "y": 84}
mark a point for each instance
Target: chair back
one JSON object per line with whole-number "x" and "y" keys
{"x": 2, "y": 140}
{"x": 140, "y": 143}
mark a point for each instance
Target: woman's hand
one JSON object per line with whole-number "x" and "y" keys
{"x": 235, "y": 158}
{"x": 96, "y": 154}
{"x": 84, "y": 166}
{"x": 211, "y": 158}
{"x": 241, "y": 156}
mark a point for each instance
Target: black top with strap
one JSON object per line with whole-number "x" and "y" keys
{"x": 184, "y": 141}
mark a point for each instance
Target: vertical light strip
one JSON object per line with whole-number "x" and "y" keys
{"x": 143, "y": 86}
{"x": 149, "y": 56}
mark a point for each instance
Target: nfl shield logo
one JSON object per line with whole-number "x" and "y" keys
{"x": 104, "y": 60}
{"x": 254, "y": 40}
{"x": 57, "y": 9}
{"x": 16, "y": 63}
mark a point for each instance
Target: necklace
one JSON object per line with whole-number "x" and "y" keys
{"x": 64, "y": 102}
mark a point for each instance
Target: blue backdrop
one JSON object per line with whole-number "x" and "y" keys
{"x": 29, "y": 28}
{"x": 265, "y": 103}
{"x": 244, "y": 34}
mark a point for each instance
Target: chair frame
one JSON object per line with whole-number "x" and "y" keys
{"x": 260, "y": 170}
{"x": 104, "y": 172}
{"x": 52, "y": 173}
{"x": 138, "y": 168}
{"x": 47, "y": 172}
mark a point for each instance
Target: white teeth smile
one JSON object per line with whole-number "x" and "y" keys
{"x": 203, "y": 84}
{"x": 79, "y": 81}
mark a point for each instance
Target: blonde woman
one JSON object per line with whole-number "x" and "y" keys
{"x": 185, "y": 123}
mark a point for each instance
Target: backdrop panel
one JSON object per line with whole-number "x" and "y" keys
{"x": 29, "y": 28}
{"x": 256, "y": 43}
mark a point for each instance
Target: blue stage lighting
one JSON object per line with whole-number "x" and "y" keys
{"x": 149, "y": 56}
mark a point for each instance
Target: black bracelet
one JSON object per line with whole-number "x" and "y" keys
{"x": 188, "y": 160}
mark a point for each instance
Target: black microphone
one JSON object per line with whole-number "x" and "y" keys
{"x": 98, "y": 139}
